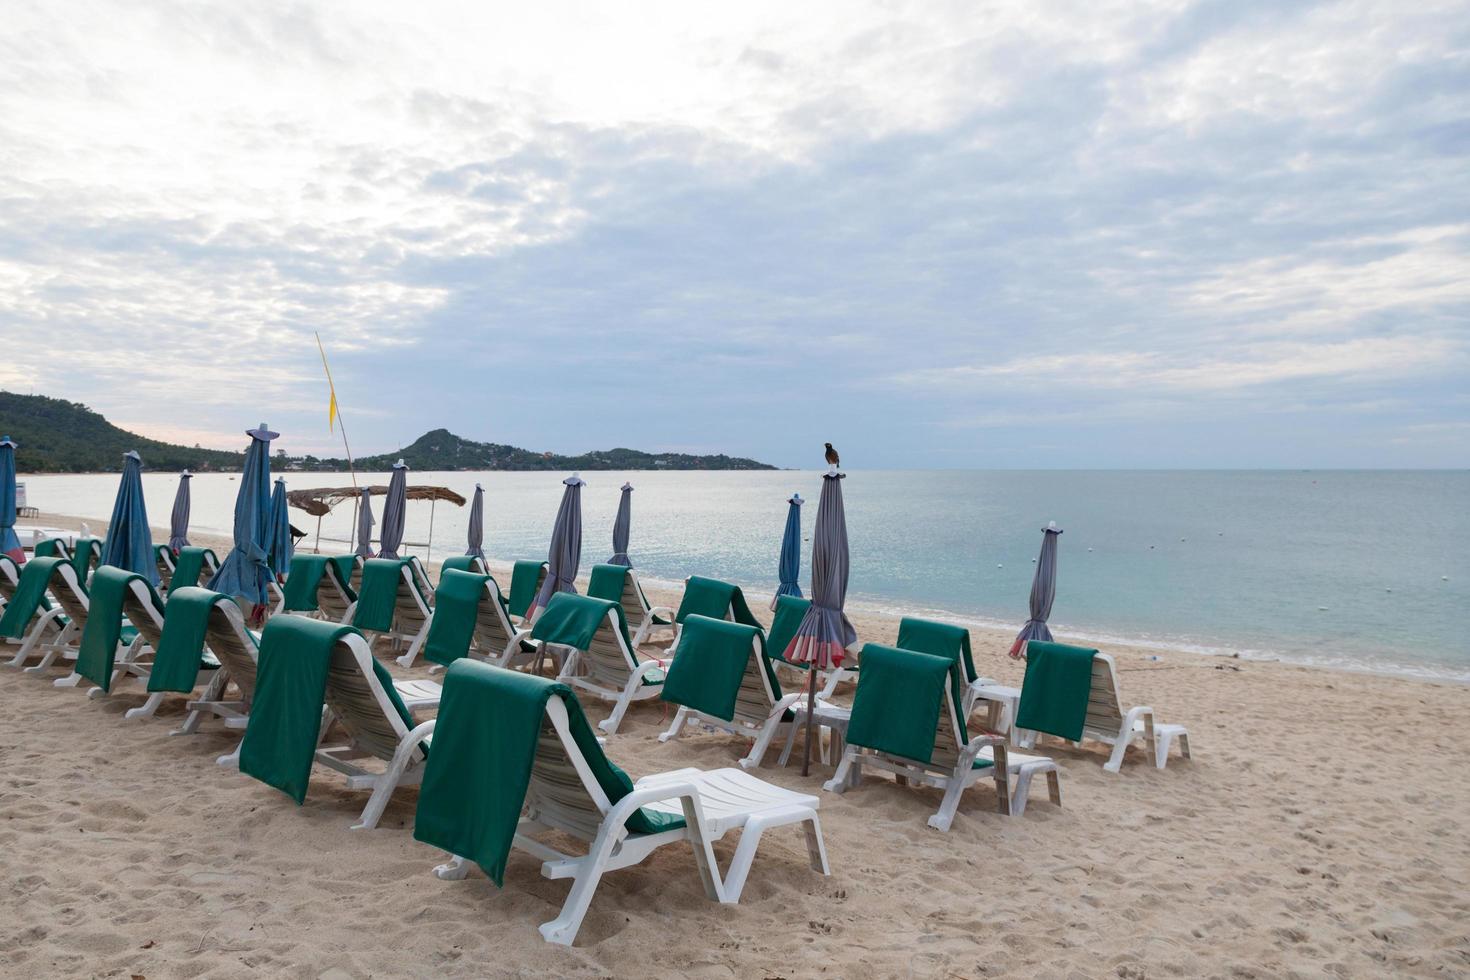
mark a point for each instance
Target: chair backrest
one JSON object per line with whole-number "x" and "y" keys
{"x": 232, "y": 645}
{"x": 790, "y": 610}
{"x": 562, "y": 791}
{"x": 360, "y": 693}
{"x": 888, "y": 680}
{"x": 1104, "y": 700}
{"x": 493, "y": 630}
{"x": 164, "y": 557}
{"x": 463, "y": 563}
{"x": 634, "y": 603}
{"x": 334, "y": 592}
{"x": 410, "y": 607}
{"x": 70, "y": 594}
{"x": 412, "y": 604}
{"x": 9, "y": 577}
{"x": 628, "y": 592}
{"x": 609, "y": 658}
{"x": 707, "y": 648}
{"x": 421, "y": 578}
{"x": 523, "y": 590}
{"x": 144, "y": 609}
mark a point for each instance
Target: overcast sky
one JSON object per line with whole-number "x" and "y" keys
{"x": 1012, "y": 234}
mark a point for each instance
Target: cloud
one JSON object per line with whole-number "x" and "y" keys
{"x": 918, "y": 229}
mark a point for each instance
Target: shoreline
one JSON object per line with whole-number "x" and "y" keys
{"x": 883, "y": 621}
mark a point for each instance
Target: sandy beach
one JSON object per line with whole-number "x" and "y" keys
{"x": 1321, "y": 828}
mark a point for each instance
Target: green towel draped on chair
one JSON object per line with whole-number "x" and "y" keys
{"x": 713, "y": 598}
{"x": 290, "y": 690}
{"x": 180, "y": 651}
{"x": 484, "y": 745}
{"x": 709, "y": 666}
{"x": 30, "y": 595}
{"x": 98, "y": 651}
{"x": 1055, "y": 692}
{"x": 939, "y": 639}
{"x": 456, "y": 608}
{"x": 898, "y": 700}
{"x": 377, "y": 600}
{"x": 523, "y": 578}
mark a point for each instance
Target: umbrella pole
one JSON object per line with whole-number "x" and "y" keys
{"x": 318, "y": 549}
{"x": 811, "y": 710}
{"x": 429, "y": 548}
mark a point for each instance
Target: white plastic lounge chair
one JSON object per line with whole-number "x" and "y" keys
{"x": 235, "y": 647}
{"x": 493, "y": 640}
{"x": 607, "y": 667}
{"x": 357, "y": 701}
{"x": 760, "y": 709}
{"x": 334, "y": 594}
{"x": 357, "y": 695}
{"x": 410, "y": 619}
{"x": 69, "y": 613}
{"x": 957, "y": 761}
{"x": 566, "y": 795}
{"x": 636, "y": 609}
{"x": 1110, "y": 723}
{"x": 9, "y": 580}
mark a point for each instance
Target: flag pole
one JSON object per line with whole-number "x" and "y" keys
{"x": 334, "y": 413}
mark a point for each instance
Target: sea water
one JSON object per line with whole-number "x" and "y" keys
{"x": 1358, "y": 569}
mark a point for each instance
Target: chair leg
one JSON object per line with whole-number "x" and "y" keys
{"x": 610, "y": 724}
{"x": 456, "y": 869}
{"x": 790, "y": 744}
{"x": 681, "y": 718}
{"x": 1020, "y": 791}
{"x": 1120, "y": 748}
{"x": 839, "y": 781}
{"x": 942, "y": 820}
{"x": 148, "y": 707}
{"x": 750, "y": 837}
{"x": 762, "y": 742}
{"x": 231, "y": 758}
{"x": 70, "y": 680}
{"x": 418, "y": 641}
{"x": 563, "y": 929}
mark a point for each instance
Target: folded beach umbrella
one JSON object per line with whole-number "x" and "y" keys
{"x": 281, "y": 545}
{"x": 390, "y": 535}
{"x": 364, "y": 548}
{"x": 1043, "y": 592}
{"x": 9, "y": 542}
{"x": 245, "y": 572}
{"x": 621, "y": 525}
{"x": 129, "y": 544}
{"x": 790, "y": 567}
{"x": 825, "y": 633}
{"x": 475, "y": 541}
{"x": 566, "y": 547}
{"x": 178, "y": 521}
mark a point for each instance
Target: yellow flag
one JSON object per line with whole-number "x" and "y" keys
{"x": 332, "y": 401}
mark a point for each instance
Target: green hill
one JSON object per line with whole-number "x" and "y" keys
{"x": 58, "y": 436}
{"x": 441, "y": 449}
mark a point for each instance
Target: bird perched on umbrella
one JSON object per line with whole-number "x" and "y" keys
{"x": 832, "y": 458}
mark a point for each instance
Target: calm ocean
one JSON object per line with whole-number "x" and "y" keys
{"x": 1365, "y": 569}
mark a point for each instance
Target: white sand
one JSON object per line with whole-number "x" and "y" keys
{"x": 1321, "y": 828}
